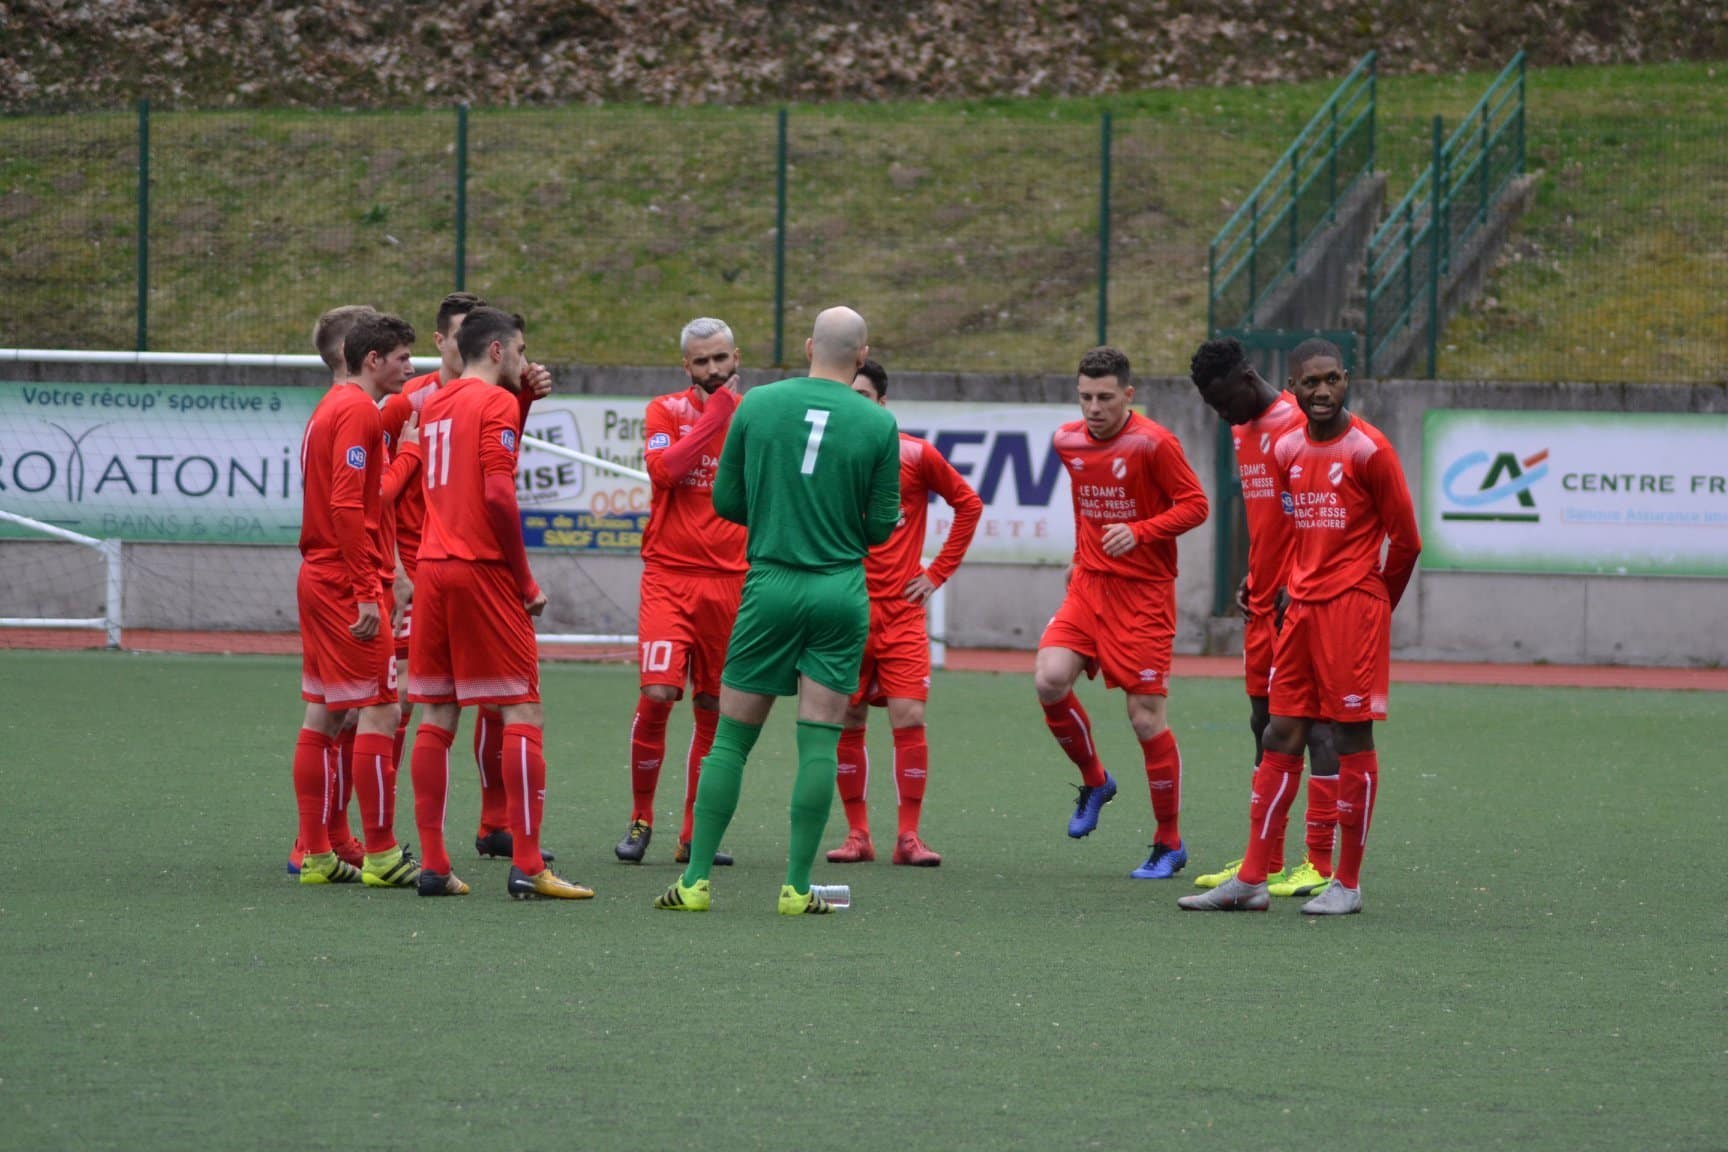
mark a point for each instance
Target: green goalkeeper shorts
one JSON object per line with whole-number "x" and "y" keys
{"x": 794, "y": 622}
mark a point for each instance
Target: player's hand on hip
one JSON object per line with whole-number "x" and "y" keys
{"x": 1118, "y": 540}
{"x": 536, "y": 604}
{"x": 1242, "y": 599}
{"x": 366, "y": 626}
{"x": 410, "y": 433}
{"x": 918, "y": 590}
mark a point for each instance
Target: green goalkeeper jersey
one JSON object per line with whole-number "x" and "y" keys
{"x": 813, "y": 470}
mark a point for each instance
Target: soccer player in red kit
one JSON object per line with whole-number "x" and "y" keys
{"x": 693, "y": 570}
{"x": 347, "y": 661}
{"x": 492, "y": 838}
{"x": 1342, "y": 485}
{"x": 1259, "y": 415}
{"x": 327, "y": 336}
{"x": 896, "y": 668}
{"x": 473, "y": 638}
{"x": 1133, "y": 493}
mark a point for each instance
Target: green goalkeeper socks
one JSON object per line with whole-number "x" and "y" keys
{"x": 717, "y": 794}
{"x": 812, "y": 796}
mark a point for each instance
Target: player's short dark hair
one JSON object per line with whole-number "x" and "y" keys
{"x": 1310, "y": 348}
{"x": 483, "y": 326}
{"x": 1216, "y": 360}
{"x": 332, "y": 330}
{"x": 375, "y": 332}
{"x": 876, "y": 374}
{"x": 1105, "y": 361}
{"x": 454, "y": 305}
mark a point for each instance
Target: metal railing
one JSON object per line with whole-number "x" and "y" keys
{"x": 1263, "y": 240}
{"x": 1410, "y": 255}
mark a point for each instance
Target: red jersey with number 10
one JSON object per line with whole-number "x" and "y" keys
{"x": 899, "y": 560}
{"x": 468, "y": 431}
{"x": 1137, "y": 477}
{"x": 342, "y": 464}
{"x": 1345, "y": 496}
{"x": 1268, "y": 526}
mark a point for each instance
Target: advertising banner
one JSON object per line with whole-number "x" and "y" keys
{"x": 222, "y": 465}
{"x": 1575, "y": 493}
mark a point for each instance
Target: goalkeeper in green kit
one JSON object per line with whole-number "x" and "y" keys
{"x": 812, "y": 469}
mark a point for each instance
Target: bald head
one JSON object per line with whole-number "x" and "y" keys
{"x": 838, "y": 344}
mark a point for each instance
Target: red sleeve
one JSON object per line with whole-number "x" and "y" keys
{"x": 393, "y": 414}
{"x": 354, "y": 430}
{"x": 1385, "y": 480}
{"x": 685, "y": 455}
{"x": 499, "y": 436}
{"x": 524, "y": 401}
{"x": 1188, "y": 508}
{"x": 659, "y": 427}
{"x": 506, "y": 522}
{"x": 940, "y": 477}
{"x": 402, "y": 472}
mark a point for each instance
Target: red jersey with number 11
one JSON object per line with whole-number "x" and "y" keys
{"x": 468, "y": 431}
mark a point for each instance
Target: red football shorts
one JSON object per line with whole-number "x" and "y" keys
{"x": 1126, "y": 625}
{"x": 472, "y": 642}
{"x": 337, "y": 670}
{"x": 896, "y": 655}
{"x": 404, "y": 631}
{"x": 1334, "y": 659}
{"x": 1259, "y": 641}
{"x": 682, "y": 627}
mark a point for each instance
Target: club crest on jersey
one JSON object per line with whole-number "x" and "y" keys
{"x": 1336, "y": 472}
{"x": 356, "y": 457}
{"x": 1119, "y": 468}
{"x": 659, "y": 440}
{"x": 508, "y": 439}
{"x": 1265, "y": 443}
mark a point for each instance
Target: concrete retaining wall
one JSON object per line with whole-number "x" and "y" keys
{"x": 1446, "y": 615}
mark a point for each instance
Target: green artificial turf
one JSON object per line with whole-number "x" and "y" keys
{"x": 1540, "y": 965}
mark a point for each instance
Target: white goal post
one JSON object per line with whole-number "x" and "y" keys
{"x": 113, "y": 585}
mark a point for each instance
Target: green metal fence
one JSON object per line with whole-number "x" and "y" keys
{"x": 1263, "y": 239}
{"x": 1410, "y": 255}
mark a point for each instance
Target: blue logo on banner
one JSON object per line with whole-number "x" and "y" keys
{"x": 508, "y": 439}
{"x": 356, "y": 457}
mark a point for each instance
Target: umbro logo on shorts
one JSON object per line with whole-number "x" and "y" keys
{"x": 356, "y": 457}
{"x": 1353, "y": 701}
{"x": 1148, "y": 676}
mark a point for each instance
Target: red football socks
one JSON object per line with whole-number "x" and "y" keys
{"x": 1072, "y": 728}
{"x": 401, "y": 741}
{"x": 1322, "y": 820}
{"x": 314, "y": 781}
{"x": 374, "y": 775}
{"x": 524, "y": 772}
{"x": 1164, "y": 778}
{"x": 342, "y": 786}
{"x": 488, "y": 752}
{"x": 853, "y": 778}
{"x": 431, "y": 772}
{"x": 1358, "y": 789}
{"x": 647, "y": 752}
{"x": 701, "y": 742}
{"x": 1275, "y": 783}
{"x": 911, "y": 768}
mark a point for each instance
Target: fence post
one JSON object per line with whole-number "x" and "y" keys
{"x": 1436, "y": 214}
{"x": 143, "y": 335}
{"x": 1104, "y": 230}
{"x": 780, "y": 242}
{"x": 461, "y": 196}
